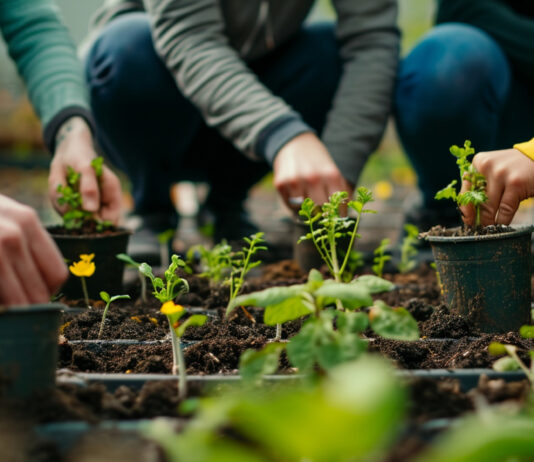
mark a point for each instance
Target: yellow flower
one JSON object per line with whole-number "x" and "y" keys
{"x": 383, "y": 190}
{"x": 83, "y": 268}
{"x": 170, "y": 307}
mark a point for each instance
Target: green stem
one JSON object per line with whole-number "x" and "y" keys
{"x": 103, "y": 319}
{"x": 178, "y": 363}
{"x": 175, "y": 348}
{"x": 143, "y": 288}
{"x": 85, "y": 293}
{"x": 278, "y": 335}
{"x": 351, "y": 243}
{"x": 524, "y": 368}
{"x": 322, "y": 253}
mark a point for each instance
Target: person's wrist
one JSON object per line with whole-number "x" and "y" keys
{"x": 73, "y": 127}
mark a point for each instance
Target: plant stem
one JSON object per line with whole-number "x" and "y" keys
{"x": 351, "y": 243}
{"x": 175, "y": 347}
{"x": 85, "y": 294}
{"x": 143, "y": 288}
{"x": 178, "y": 364}
{"x": 524, "y": 368}
{"x": 278, "y": 335}
{"x": 103, "y": 319}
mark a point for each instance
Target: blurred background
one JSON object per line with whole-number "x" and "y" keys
{"x": 23, "y": 161}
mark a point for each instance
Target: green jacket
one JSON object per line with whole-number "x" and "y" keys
{"x": 509, "y": 22}
{"x": 46, "y": 59}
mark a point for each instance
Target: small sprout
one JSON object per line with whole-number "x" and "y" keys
{"x": 381, "y": 257}
{"x": 173, "y": 286}
{"x": 174, "y": 313}
{"x": 476, "y": 195}
{"x": 328, "y": 227}
{"x": 242, "y": 263}
{"x": 83, "y": 269}
{"x": 108, "y": 301}
{"x": 215, "y": 263}
{"x": 512, "y": 361}
{"x": 409, "y": 249}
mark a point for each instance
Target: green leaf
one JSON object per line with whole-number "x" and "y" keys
{"x": 104, "y": 296}
{"x": 263, "y": 298}
{"x": 506, "y": 364}
{"x": 353, "y": 322}
{"x": 287, "y": 310}
{"x": 352, "y": 296}
{"x": 97, "y": 164}
{"x": 449, "y": 192}
{"x": 118, "y": 297}
{"x": 302, "y": 349}
{"x": 127, "y": 259}
{"x": 496, "y": 349}
{"x": 194, "y": 320}
{"x": 165, "y": 236}
{"x": 397, "y": 324}
{"x": 373, "y": 284}
{"x": 527, "y": 331}
{"x": 253, "y": 364}
{"x": 146, "y": 270}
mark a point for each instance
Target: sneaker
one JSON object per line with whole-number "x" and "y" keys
{"x": 144, "y": 245}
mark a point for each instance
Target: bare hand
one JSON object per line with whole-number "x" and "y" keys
{"x": 74, "y": 148}
{"x": 31, "y": 266}
{"x": 510, "y": 179}
{"x": 303, "y": 168}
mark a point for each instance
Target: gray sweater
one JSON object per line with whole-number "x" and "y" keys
{"x": 207, "y": 43}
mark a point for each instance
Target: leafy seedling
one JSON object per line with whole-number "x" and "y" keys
{"x": 173, "y": 286}
{"x": 328, "y": 228}
{"x": 476, "y": 194}
{"x": 408, "y": 258}
{"x": 215, "y": 263}
{"x": 108, "y": 301}
{"x": 381, "y": 257}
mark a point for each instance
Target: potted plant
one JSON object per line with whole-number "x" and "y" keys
{"x": 28, "y": 348}
{"x": 485, "y": 272}
{"x": 82, "y": 234}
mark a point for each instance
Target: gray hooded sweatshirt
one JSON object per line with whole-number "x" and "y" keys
{"x": 206, "y": 45}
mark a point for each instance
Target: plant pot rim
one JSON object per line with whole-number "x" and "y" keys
{"x": 29, "y": 309}
{"x": 119, "y": 231}
{"x": 518, "y": 230}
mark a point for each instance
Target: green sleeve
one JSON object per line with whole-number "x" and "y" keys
{"x": 513, "y": 31}
{"x": 46, "y": 60}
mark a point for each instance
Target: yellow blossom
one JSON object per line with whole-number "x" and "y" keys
{"x": 383, "y": 190}
{"x": 170, "y": 307}
{"x": 85, "y": 267}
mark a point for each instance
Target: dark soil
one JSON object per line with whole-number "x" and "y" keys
{"x": 467, "y": 231}
{"x": 89, "y": 228}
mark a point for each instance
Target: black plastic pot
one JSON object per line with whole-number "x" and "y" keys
{"x": 487, "y": 278}
{"x": 28, "y": 348}
{"x": 109, "y": 270}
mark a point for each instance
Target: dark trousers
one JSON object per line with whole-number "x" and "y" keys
{"x": 156, "y": 136}
{"x": 457, "y": 84}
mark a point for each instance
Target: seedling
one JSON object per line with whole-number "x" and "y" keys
{"x": 70, "y": 195}
{"x": 173, "y": 286}
{"x": 380, "y": 257}
{"x": 512, "y": 361}
{"x": 242, "y": 263}
{"x": 328, "y": 227}
{"x": 216, "y": 263}
{"x": 108, "y": 301}
{"x": 130, "y": 261}
{"x": 329, "y": 337}
{"x": 174, "y": 313}
{"x": 83, "y": 269}
{"x": 409, "y": 249}
{"x": 476, "y": 195}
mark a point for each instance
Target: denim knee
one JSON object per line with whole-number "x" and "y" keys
{"x": 454, "y": 67}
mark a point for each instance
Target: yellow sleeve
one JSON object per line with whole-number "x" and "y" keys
{"x": 526, "y": 148}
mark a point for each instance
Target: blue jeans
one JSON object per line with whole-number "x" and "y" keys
{"x": 156, "y": 136}
{"x": 457, "y": 84}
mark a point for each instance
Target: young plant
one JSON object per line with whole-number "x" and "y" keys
{"x": 108, "y": 301}
{"x": 328, "y": 337}
{"x": 512, "y": 361}
{"x": 215, "y": 263}
{"x": 69, "y": 195}
{"x": 328, "y": 227}
{"x": 242, "y": 263}
{"x": 409, "y": 249}
{"x": 380, "y": 257}
{"x": 173, "y": 286}
{"x": 476, "y": 195}
{"x": 173, "y": 313}
{"x": 130, "y": 261}
{"x": 84, "y": 268}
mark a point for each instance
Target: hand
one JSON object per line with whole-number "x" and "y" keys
{"x": 303, "y": 168}
{"x": 510, "y": 179}
{"x": 31, "y": 266}
{"x": 74, "y": 148}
